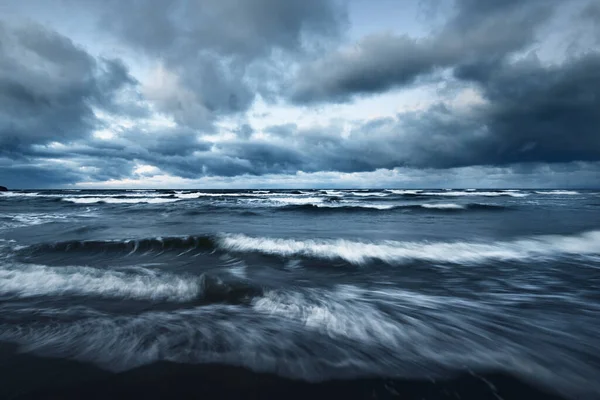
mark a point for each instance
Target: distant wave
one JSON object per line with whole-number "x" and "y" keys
{"x": 404, "y": 192}
{"x": 120, "y": 200}
{"x": 369, "y": 194}
{"x": 475, "y": 193}
{"x": 255, "y": 194}
{"x": 444, "y": 206}
{"x": 18, "y": 194}
{"x": 336, "y": 208}
{"x": 298, "y": 200}
{"x": 431, "y": 207}
{"x": 559, "y": 192}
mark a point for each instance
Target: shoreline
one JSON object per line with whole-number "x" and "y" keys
{"x": 32, "y": 377}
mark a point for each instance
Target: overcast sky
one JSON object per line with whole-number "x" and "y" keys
{"x": 299, "y": 93}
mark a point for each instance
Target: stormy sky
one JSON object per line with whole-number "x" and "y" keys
{"x": 299, "y": 93}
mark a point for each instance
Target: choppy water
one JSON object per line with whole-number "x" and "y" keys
{"x": 310, "y": 284}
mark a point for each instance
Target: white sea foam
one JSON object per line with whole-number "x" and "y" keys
{"x": 18, "y": 220}
{"x": 335, "y": 314}
{"x": 298, "y": 200}
{"x": 192, "y": 195}
{"x": 352, "y": 204}
{"x": 394, "y": 252}
{"x": 444, "y": 206}
{"x": 120, "y": 194}
{"x": 409, "y": 192}
{"x": 260, "y": 194}
{"x": 370, "y": 194}
{"x": 112, "y": 200}
{"x": 559, "y": 192}
{"x": 38, "y": 280}
{"x": 456, "y": 193}
{"x": 73, "y": 194}
{"x": 373, "y": 206}
{"x": 18, "y": 194}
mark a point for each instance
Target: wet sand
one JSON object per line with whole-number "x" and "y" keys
{"x": 32, "y": 377}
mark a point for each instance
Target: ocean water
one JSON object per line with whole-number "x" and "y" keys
{"x": 309, "y": 284}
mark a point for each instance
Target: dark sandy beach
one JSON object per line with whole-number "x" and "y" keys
{"x": 31, "y": 377}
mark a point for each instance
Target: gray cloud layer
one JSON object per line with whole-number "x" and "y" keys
{"x": 481, "y": 31}
{"x": 224, "y": 53}
{"x": 49, "y": 87}
{"x": 220, "y": 49}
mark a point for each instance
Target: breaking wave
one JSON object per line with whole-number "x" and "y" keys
{"x": 354, "y": 252}
{"x": 178, "y": 244}
{"x": 138, "y": 283}
{"x": 427, "y": 207}
{"x": 39, "y": 280}
{"x": 394, "y": 252}
{"x": 559, "y": 192}
{"x": 116, "y": 200}
{"x": 444, "y": 206}
{"x": 451, "y": 193}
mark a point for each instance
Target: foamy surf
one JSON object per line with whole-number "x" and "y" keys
{"x": 455, "y": 193}
{"x": 113, "y": 200}
{"x": 27, "y": 280}
{"x": 559, "y": 192}
{"x": 395, "y": 252}
{"x": 444, "y": 206}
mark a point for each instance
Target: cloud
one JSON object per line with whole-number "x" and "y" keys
{"x": 49, "y": 87}
{"x": 215, "y": 54}
{"x": 570, "y": 175}
{"x": 513, "y": 114}
{"x": 539, "y": 113}
{"x": 69, "y": 115}
{"x": 477, "y": 33}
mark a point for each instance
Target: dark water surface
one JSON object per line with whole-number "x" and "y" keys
{"x": 316, "y": 286}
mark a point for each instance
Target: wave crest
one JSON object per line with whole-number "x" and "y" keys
{"x": 31, "y": 280}
{"x": 354, "y": 252}
{"x": 431, "y": 207}
{"x": 130, "y": 246}
{"x": 144, "y": 284}
{"x": 394, "y": 252}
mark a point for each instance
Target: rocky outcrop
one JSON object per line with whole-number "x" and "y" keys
{"x": 3, "y": 189}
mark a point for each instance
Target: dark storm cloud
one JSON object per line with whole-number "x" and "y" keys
{"x": 539, "y": 113}
{"x": 481, "y": 31}
{"x": 49, "y": 87}
{"x": 530, "y": 113}
{"x": 218, "y": 49}
{"x": 214, "y": 57}
{"x": 35, "y": 175}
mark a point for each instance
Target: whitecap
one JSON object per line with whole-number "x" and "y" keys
{"x": 451, "y": 193}
{"x": 298, "y": 200}
{"x": 559, "y": 192}
{"x": 401, "y": 192}
{"x": 395, "y": 252}
{"x": 112, "y": 200}
{"x": 444, "y": 206}
{"x": 370, "y": 194}
{"x": 18, "y": 194}
{"x": 27, "y": 280}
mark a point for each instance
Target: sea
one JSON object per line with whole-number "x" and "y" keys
{"x": 428, "y": 294}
